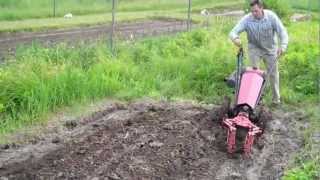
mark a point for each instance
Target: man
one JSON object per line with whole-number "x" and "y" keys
{"x": 261, "y": 26}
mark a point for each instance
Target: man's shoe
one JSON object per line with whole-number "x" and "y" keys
{"x": 275, "y": 103}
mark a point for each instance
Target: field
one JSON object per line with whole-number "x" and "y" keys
{"x": 37, "y": 15}
{"x": 131, "y": 15}
{"x": 27, "y": 9}
{"x": 76, "y": 111}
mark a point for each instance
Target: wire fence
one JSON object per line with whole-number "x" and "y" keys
{"x": 149, "y": 27}
{"x": 164, "y": 22}
{"x": 125, "y": 20}
{"x": 157, "y": 27}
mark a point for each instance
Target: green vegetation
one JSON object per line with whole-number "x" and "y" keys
{"x": 284, "y": 8}
{"x": 307, "y": 171}
{"x": 281, "y": 7}
{"x": 312, "y": 5}
{"x": 301, "y": 65}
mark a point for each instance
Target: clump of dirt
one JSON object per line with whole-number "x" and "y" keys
{"x": 151, "y": 140}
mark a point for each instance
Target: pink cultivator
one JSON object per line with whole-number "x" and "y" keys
{"x": 249, "y": 86}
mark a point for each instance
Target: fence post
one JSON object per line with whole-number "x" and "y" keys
{"x": 54, "y": 8}
{"x": 112, "y": 43}
{"x": 189, "y": 16}
{"x": 309, "y": 8}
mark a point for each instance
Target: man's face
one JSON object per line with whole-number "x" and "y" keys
{"x": 257, "y": 11}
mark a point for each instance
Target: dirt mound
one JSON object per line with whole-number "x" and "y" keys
{"x": 150, "y": 140}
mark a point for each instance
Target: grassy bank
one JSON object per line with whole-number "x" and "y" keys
{"x": 189, "y": 66}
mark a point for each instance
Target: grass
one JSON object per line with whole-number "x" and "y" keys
{"x": 310, "y": 5}
{"x": 306, "y": 75}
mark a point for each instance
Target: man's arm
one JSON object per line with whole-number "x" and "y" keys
{"x": 235, "y": 32}
{"x": 281, "y": 32}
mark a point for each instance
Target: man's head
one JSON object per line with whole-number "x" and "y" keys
{"x": 257, "y": 8}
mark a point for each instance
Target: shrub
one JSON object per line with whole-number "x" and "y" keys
{"x": 280, "y": 7}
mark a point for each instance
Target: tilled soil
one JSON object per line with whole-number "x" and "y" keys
{"x": 151, "y": 140}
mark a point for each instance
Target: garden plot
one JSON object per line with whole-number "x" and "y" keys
{"x": 151, "y": 140}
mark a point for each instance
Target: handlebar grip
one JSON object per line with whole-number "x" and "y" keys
{"x": 240, "y": 52}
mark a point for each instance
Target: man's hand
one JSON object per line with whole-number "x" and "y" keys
{"x": 237, "y": 42}
{"x": 280, "y": 52}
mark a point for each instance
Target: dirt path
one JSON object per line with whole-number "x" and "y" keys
{"x": 9, "y": 42}
{"x": 143, "y": 28}
{"x": 150, "y": 140}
